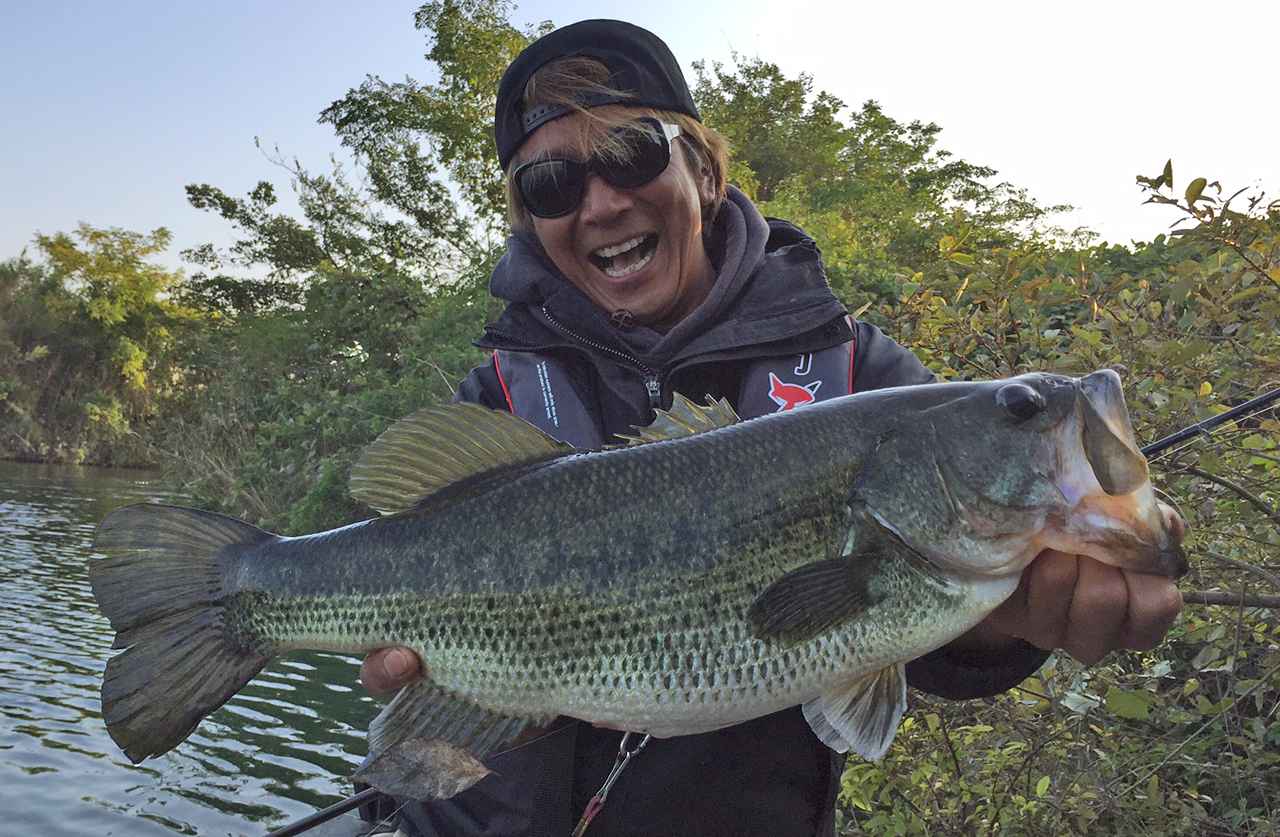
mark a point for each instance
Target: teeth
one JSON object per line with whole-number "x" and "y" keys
{"x": 610, "y": 252}
{"x": 619, "y": 272}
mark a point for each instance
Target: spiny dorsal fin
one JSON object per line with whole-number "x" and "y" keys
{"x": 438, "y": 446}
{"x": 684, "y": 419}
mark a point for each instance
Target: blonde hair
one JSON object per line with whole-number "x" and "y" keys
{"x": 566, "y": 81}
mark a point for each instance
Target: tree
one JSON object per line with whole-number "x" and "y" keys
{"x": 90, "y": 350}
{"x": 878, "y": 196}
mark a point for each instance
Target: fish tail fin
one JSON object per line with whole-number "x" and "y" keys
{"x": 164, "y": 586}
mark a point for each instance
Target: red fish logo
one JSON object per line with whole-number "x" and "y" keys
{"x": 789, "y": 396}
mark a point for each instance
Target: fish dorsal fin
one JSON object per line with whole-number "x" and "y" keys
{"x": 863, "y": 714}
{"x": 684, "y": 419}
{"x": 439, "y": 446}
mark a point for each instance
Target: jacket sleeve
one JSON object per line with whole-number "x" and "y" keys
{"x": 947, "y": 672}
{"x": 482, "y": 386}
{"x": 879, "y": 362}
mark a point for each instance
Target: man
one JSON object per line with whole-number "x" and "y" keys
{"x": 634, "y": 272}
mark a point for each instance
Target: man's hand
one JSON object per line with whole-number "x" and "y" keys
{"x": 388, "y": 669}
{"x": 1084, "y": 607}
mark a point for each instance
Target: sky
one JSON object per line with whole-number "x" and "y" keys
{"x": 112, "y": 108}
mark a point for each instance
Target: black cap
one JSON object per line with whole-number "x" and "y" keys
{"x": 638, "y": 61}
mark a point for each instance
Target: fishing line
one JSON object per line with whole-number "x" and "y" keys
{"x": 536, "y": 738}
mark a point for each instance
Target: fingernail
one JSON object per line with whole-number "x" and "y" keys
{"x": 397, "y": 664}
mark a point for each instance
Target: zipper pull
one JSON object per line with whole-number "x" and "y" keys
{"x": 654, "y": 387}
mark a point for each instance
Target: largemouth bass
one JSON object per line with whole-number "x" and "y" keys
{"x": 714, "y": 572}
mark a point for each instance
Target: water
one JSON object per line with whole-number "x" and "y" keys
{"x": 274, "y": 753}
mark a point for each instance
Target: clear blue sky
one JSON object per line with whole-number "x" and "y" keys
{"x": 110, "y": 109}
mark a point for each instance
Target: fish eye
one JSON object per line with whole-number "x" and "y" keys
{"x": 1020, "y": 401}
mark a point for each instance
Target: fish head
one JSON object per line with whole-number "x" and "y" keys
{"x": 981, "y": 478}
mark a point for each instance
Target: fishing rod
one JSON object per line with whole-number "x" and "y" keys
{"x": 1202, "y": 427}
{"x": 325, "y": 814}
{"x": 1252, "y": 405}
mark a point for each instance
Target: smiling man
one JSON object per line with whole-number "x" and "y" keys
{"x": 633, "y": 272}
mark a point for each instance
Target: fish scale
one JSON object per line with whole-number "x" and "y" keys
{"x": 715, "y": 572}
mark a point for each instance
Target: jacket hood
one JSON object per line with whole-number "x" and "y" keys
{"x": 770, "y": 285}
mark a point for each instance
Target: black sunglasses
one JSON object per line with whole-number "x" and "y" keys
{"x": 552, "y": 187}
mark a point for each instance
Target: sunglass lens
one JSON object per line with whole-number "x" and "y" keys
{"x": 551, "y": 188}
{"x": 647, "y": 157}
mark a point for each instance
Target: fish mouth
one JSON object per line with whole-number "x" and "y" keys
{"x": 1112, "y": 513}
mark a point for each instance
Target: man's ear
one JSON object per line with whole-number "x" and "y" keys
{"x": 702, "y": 173}
{"x": 706, "y": 186}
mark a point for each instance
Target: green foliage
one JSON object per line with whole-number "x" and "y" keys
{"x": 880, "y": 197}
{"x": 369, "y": 299}
{"x": 86, "y": 346}
{"x": 405, "y": 133}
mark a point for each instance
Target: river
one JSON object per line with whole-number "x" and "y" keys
{"x": 276, "y": 752}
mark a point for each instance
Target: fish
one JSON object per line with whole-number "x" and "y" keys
{"x": 699, "y": 574}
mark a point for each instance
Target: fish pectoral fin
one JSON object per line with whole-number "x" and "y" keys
{"x": 807, "y": 601}
{"x": 438, "y": 447}
{"x": 412, "y": 733}
{"x": 863, "y": 716}
{"x": 421, "y": 768}
{"x": 685, "y": 418}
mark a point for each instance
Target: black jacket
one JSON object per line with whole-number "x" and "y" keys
{"x": 770, "y": 776}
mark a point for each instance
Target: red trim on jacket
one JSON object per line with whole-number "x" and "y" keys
{"x": 497, "y": 368}
{"x": 853, "y": 353}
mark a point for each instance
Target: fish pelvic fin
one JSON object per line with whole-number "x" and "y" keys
{"x": 863, "y": 715}
{"x": 428, "y": 743}
{"x": 441, "y": 447}
{"x": 685, "y": 418}
{"x": 162, "y": 585}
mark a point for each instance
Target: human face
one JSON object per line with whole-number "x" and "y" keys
{"x": 639, "y": 249}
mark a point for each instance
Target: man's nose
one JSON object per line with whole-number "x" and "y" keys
{"x": 602, "y": 201}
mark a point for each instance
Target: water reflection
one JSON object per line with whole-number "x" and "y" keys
{"x": 275, "y": 752}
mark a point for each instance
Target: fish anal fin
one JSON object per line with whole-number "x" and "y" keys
{"x": 427, "y": 730}
{"x": 862, "y": 715}
{"x": 437, "y": 447}
{"x": 422, "y": 768}
{"x": 809, "y": 600}
{"x": 685, "y": 418}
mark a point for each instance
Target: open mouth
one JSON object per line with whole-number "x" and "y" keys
{"x": 1114, "y": 515}
{"x": 626, "y": 257}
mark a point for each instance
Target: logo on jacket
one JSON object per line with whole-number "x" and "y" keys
{"x": 789, "y": 396}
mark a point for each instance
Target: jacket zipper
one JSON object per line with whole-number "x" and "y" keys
{"x": 652, "y": 381}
